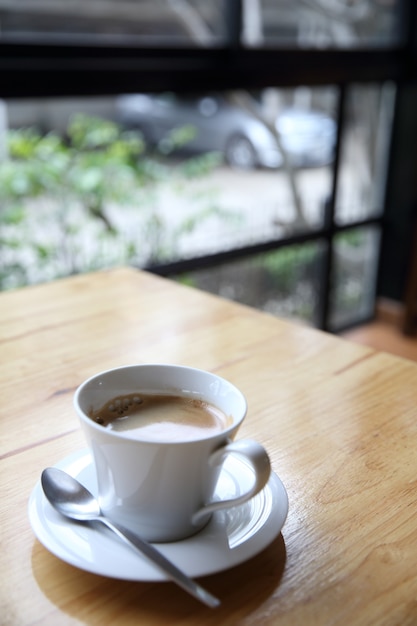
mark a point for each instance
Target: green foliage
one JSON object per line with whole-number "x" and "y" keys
{"x": 354, "y": 237}
{"x": 88, "y": 200}
{"x": 177, "y": 138}
{"x": 286, "y": 265}
{"x": 201, "y": 165}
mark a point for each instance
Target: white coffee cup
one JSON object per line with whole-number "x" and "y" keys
{"x": 164, "y": 490}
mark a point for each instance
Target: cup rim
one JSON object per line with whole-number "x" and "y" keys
{"x": 118, "y": 435}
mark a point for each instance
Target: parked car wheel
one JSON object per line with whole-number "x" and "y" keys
{"x": 240, "y": 153}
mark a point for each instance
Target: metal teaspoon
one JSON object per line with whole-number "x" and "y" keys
{"x": 73, "y": 500}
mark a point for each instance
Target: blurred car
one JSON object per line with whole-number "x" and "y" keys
{"x": 307, "y": 137}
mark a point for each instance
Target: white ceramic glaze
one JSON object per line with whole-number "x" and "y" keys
{"x": 231, "y": 537}
{"x": 164, "y": 490}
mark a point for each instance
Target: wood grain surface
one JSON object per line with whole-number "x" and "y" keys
{"x": 339, "y": 421}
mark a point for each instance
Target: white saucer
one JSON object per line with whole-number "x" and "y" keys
{"x": 231, "y": 536}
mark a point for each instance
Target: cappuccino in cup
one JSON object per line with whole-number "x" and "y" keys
{"x": 160, "y": 417}
{"x": 158, "y": 436}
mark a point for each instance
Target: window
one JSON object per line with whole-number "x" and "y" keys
{"x": 298, "y": 189}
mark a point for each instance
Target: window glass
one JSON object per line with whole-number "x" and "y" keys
{"x": 322, "y": 23}
{"x": 355, "y": 263}
{"x": 271, "y": 156}
{"x": 364, "y": 152}
{"x": 265, "y": 23}
{"x": 153, "y": 22}
{"x": 284, "y": 282}
{"x": 148, "y": 179}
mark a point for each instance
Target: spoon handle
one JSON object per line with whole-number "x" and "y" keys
{"x": 167, "y": 566}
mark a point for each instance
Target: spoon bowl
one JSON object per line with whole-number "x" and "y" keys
{"x": 68, "y": 496}
{"x": 72, "y": 500}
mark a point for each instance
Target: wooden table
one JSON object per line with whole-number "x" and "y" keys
{"x": 339, "y": 421}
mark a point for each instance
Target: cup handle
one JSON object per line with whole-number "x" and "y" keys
{"x": 256, "y": 455}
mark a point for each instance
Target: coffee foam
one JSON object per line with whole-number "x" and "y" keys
{"x": 161, "y": 417}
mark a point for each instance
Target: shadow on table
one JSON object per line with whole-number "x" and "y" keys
{"x": 94, "y": 599}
